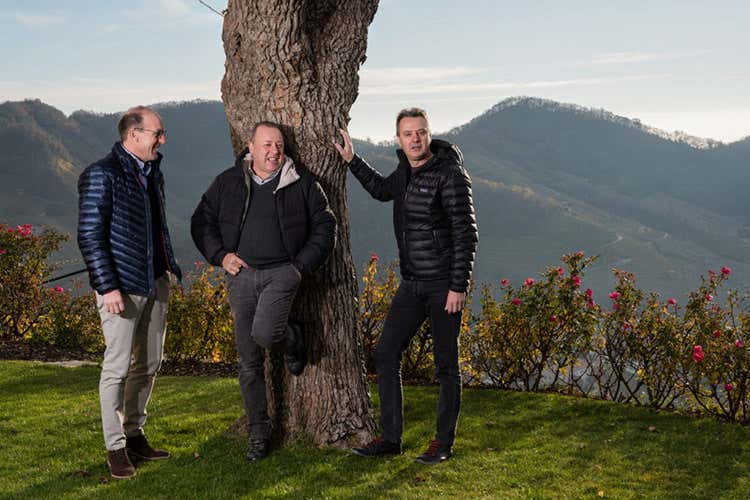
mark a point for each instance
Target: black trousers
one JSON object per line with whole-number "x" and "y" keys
{"x": 261, "y": 300}
{"x": 413, "y": 303}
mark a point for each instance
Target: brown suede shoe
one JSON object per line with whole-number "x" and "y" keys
{"x": 119, "y": 464}
{"x": 139, "y": 449}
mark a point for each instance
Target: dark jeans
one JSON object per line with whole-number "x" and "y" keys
{"x": 260, "y": 300}
{"x": 413, "y": 303}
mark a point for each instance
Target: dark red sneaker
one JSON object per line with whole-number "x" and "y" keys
{"x": 378, "y": 447}
{"x": 119, "y": 464}
{"x": 435, "y": 453}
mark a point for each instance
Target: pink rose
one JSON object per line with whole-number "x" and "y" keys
{"x": 374, "y": 257}
{"x": 579, "y": 254}
{"x": 3, "y": 251}
{"x": 709, "y": 297}
{"x": 59, "y": 289}
{"x": 198, "y": 264}
{"x": 615, "y": 306}
{"x": 672, "y": 302}
{"x": 589, "y": 293}
{"x": 560, "y": 271}
{"x": 528, "y": 282}
{"x": 740, "y": 344}
{"x": 503, "y": 282}
{"x": 516, "y": 301}
{"x": 592, "y": 304}
{"x": 726, "y": 271}
{"x": 614, "y": 295}
{"x": 728, "y": 387}
{"x": 576, "y": 281}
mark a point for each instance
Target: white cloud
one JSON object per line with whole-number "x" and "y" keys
{"x": 103, "y": 95}
{"x": 34, "y": 19}
{"x": 637, "y": 57}
{"x": 174, "y": 8}
{"x": 418, "y": 86}
{"x": 174, "y": 13}
{"x": 380, "y": 76}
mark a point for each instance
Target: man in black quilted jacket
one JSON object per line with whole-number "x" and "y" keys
{"x": 123, "y": 237}
{"x": 436, "y": 232}
{"x": 266, "y": 221}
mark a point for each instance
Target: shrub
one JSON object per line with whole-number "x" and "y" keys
{"x": 535, "y": 335}
{"x": 23, "y": 269}
{"x": 199, "y": 321}
{"x": 71, "y": 320}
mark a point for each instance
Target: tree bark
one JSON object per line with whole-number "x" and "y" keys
{"x": 296, "y": 62}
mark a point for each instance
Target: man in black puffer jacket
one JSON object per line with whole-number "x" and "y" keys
{"x": 436, "y": 231}
{"x": 123, "y": 237}
{"x": 266, "y": 221}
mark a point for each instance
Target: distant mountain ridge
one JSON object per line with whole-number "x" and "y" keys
{"x": 548, "y": 178}
{"x": 537, "y": 102}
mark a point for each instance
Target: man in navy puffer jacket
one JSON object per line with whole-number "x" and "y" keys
{"x": 123, "y": 237}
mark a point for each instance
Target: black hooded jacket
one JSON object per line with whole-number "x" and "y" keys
{"x": 433, "y": 214}
{"x": 308, "y": 226}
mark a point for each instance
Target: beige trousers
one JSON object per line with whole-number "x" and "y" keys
{"x": 135, "y": 345}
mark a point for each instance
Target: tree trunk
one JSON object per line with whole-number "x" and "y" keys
{"x": 296, "y": 62}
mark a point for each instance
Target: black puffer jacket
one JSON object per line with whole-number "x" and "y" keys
{"x": 433, "y": 214}
{"x": 308, "y": 226}
{"x": 114, "y": 225}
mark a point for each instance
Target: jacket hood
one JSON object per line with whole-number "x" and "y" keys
{"x": 288, "y": 173}
{"x": 442, "y": 150}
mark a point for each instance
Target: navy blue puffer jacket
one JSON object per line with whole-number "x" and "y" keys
{"x": 114, "y": 225}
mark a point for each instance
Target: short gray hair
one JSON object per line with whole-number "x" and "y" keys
{"x": 411, "y": 113}
{"x": 132, "y": 118}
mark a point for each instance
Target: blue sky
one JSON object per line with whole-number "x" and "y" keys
{"x": 676, "y": 65}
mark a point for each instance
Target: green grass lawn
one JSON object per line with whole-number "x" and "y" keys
{"x": 510, "y": 445}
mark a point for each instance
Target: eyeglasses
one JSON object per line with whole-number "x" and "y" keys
{"x": 157, "y": 133}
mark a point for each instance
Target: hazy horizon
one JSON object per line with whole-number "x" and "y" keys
{"x": 673, "y": 65}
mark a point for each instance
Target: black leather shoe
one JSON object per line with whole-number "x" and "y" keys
{"x": 139, "y": 449}
{"x": 435, "y": 453}
{"x": 296, "y": 351}
{"x": 378, "y": 447}
{"x": 257, "y": 449}
{"x": 119, "y": 464}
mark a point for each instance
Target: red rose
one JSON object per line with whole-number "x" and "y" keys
{"x": 698, "y": 354}
{"x": 728, "y": 387}
{"x": 726, "y": 271}
{"x": 576, "y": 280}
{"x": 516, "y": 301}
{"x": 672, "y": 302}
{"x": 589, "y": 293}
{"x": 503, "y": 282}
{"x": 739, "y": 343}
{"x": 717, "y": 333}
